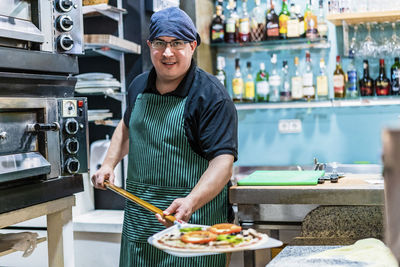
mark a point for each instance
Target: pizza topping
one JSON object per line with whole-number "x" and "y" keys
{"x": 198, "y": 237}
{"x": 190, "y": 229}
{"x": 230, "y": 238}
{"x": 225, "y": 228}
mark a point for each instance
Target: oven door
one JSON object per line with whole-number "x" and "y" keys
{"x": 26, "y": 24}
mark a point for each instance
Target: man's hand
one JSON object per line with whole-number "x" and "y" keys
{"x": 104, "y": 173}
{"x": 181, "y": 208}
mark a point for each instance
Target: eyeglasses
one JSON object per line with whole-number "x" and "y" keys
{"x": 176, "y": 44}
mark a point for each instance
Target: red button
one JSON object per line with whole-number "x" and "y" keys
{"x": 80, "y": 103}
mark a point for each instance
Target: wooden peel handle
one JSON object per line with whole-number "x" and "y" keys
{"x": 138, "y": 201}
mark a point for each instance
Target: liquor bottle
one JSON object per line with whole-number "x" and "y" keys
{"x": 322, "y": 82}
{"x": 244, "y": 24}
{"x": 293, "y": 23}
{"x": 310, "y": 23}
{"x": 237, "y": 83}
{"x": 272, "y": 32}
{"x": 285, "y": 87}
{"x": 308, "y": 79}
{"x": 257, "y": 25}
{"x": 395, "y": 76}
{"x": 274, "y": 81}
{"x": 322, "y": 25}
{"x": 301, "y": 30}
{"x": 351, "y": 85}
{"x": 221, "y": 75}
{"x": 297, "y": 82}
{"x": 283, "y": 19}
{"x": 382, "y": 83}
{"x": 249, "y": 88}
{"x": 338, "y": 80}
{"x": 217, "y": 26}
{"x": 366, "y": 83}
{"x": 231, "y": 29}
{"x": 262, "y": 86}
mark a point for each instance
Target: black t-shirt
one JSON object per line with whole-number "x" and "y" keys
{"x": 210, "y": 118}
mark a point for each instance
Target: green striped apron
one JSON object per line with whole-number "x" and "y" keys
{"x": 163, "y": 167}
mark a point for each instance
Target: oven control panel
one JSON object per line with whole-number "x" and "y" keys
{"x": 68, "y": 26}
{"x": 73, "y": 135}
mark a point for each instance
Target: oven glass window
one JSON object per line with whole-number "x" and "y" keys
{"x": 20, "y": 9}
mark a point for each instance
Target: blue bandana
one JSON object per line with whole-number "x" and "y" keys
{"x": 173, "y": 22}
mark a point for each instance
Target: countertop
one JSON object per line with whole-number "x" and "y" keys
{"x": 352, "y": 189}
{"x": 298, "y": 256}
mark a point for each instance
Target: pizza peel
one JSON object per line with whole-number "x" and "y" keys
{"x": 138, "y": 201}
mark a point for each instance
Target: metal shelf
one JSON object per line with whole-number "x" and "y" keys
{"x": 105, "y": 10}
{"x": 362, "y": 17}
{"x": 359, "y": 102}
{"x": 109, "y": 45}
{"x": 273, "y": 45}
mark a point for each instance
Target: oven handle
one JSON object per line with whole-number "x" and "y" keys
{"x": 43, "y": 127}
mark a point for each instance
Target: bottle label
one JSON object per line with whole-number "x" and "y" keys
{"x": 230, "y": 26}
{"x": 382, "y": 88}
{"x": 217, "y": 32}
{"x": 396, "y": 80}
{"x": 308, "y": 91}
{"x": 283, "y": 28}
{"x": 297, "y": 87}
{"x": 301, "y": 27}
{"x": 338, "y": 83}
{"x": 322, "y": 85}
{"x": 352, "y": 81}
{"x": 272, "y": 29}
{"x": 307, "y": 79}
{"x": 237, "y": 86}
{"x": 221, "y": 78}
{"x": 244, "y": 26}
{"x": 293, "y": 28}
{"x": 249, "y": 90}
{"x": 262, "y": 88}
{"x": 275, "y": 80}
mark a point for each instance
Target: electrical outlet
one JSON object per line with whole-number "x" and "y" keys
{"x": 290, "y": 126}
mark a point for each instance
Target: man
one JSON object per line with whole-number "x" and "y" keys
{"x": 180, "y": 132}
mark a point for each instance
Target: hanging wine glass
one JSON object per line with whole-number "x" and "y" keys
{"x": 353, "y": 47}
{"x": 395, "y": 41}
{"x": 384, "y": 48}
{"x": 369, "y": 46}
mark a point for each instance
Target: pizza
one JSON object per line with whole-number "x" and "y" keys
{"x": 225, "y": 237}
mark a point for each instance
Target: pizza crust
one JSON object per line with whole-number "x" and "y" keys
{"x": 169, "y": 239}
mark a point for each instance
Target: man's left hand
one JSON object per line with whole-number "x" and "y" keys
{"x": 181, "y": 208}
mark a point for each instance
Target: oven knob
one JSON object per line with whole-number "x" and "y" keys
{"x": 71, "y": 126}
{"x": 64, "y": 5}
{"x": 64, "y": 23}
{"x": 72, "y": 165}
{"x": 65, "y": 42}
{"x": 71, "y": 145}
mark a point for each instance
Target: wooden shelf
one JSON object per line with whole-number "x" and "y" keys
{"x": 362, "y": 17}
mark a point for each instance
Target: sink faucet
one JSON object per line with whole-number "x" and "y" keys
{"x": 318, "y": 166}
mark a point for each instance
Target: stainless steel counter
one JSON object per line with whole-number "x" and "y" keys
{"x": 353, "y": 189}
{"x": 279, "y": 208}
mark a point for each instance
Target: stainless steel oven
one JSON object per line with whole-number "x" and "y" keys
{"x": 42, "y": 25}
{"x": 43, "y": 127}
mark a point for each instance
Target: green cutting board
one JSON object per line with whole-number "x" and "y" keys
{"x": 282, "y": 178}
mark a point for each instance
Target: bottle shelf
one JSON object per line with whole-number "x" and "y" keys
{"x": 273, "y": 45}
{"x": 103, "y": 9}
{"x": 358, "y": 102}
{"x": 362, "y": 17}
